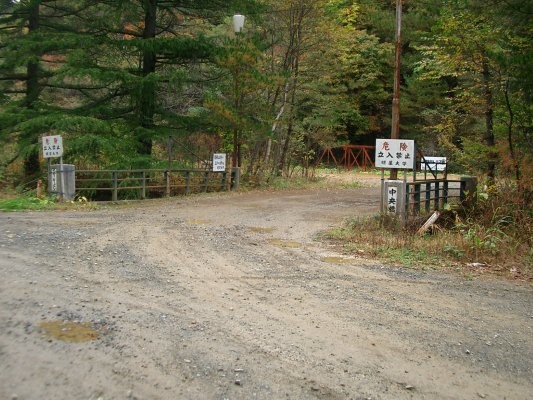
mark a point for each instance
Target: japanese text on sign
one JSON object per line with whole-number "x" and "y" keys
{"x": 392, "y": 199}
{"x": 395, "y": 153}
{"x": 52, "y": 146}
{"x": 53, "y": 180}
{"x": 219, "y": 162}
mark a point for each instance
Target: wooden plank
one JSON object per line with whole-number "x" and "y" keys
{"x": 429, "y": 223}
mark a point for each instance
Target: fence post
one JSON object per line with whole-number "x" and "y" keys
{"x": 167, "y": 182}
{"x": 114, "y": 196}
{"x": 143, "y": 194}
{"x": 417, "y": 197}
{"x": 437, "y": 195}
{"x": 445, "y": 193}
{"x": 428, "y": 197}
{"x": 408, "y": 190}
{"x": 206, "y": 180}
{"x": 235, "y": 178}
{"x": 187, "y": 182}
{"x": 224, "y": 180}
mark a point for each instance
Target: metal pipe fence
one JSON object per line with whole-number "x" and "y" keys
{"x": 150, "y": 183}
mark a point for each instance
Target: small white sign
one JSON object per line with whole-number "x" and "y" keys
{"x": 392, "y": 199}
{"x": 395, "y": 153}
{"x": 219, "y": 162}
{"x": 52, "y": 146}
{"x": 53, "y": 180}
{"x": 435, "y": 163}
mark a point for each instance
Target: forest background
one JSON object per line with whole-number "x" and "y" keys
{"x": 159, "y": 83}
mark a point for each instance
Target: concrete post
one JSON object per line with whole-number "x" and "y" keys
{"x": 468, "y": 190}
{"x": 60, "y": 175}
{"x": 394, "y": 197}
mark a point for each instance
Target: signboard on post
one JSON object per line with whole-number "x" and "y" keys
{"x": 433, "y": 163}
{"x": 219, "y": 162}
{"x": 395, "y": 154}
{"x": 52, "y": 146}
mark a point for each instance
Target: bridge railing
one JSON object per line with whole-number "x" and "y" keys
{"x": 150, "y": 183}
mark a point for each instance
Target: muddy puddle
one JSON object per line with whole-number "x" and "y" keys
{"x": 69, "y": 331}
{"x": 285, "y": 243}
{"x": 260, "y": 229}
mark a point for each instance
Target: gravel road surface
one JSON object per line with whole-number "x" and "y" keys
{"x": 231, "y": 296}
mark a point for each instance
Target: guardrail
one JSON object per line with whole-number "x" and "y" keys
{"x": 149, "y": 183}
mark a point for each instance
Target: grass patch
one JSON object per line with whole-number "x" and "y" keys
{"x": 26, "y": 203}
{"x": 352, "y": 185}
{"x": 33, "y": 203}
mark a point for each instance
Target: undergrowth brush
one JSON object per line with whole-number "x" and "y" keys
{"x": 494, "y": 235}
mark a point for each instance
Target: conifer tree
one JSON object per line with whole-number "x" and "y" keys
{"x": 91, "y": 69}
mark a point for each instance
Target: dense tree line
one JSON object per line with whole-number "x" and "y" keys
{"x": 130, "y": 83}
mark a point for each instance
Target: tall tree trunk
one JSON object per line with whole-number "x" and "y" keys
{"x": 147, "y": 100}
{"x": 510, "y": 141}
{"x": 290, "y": 127}
{"x": 33, "y": 90}
{"x": 293, "y": 60}
{"x": 237, "y": 133}
{"x": 489, "y": 122}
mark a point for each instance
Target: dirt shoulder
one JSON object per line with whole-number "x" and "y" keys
{"x": 232, "y": 297}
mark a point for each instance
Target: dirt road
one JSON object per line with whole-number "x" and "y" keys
{"x": 232, "y": 297}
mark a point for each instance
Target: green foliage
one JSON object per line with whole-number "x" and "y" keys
{"x": 26, "y": 203}
{"x": 118, "y": 79}
{"x": 409, "y": 257}
{"x": 477, "y": 51}
{"x": 453, "y": 251}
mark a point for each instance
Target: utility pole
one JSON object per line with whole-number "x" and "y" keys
{"x": 395, "y": 126}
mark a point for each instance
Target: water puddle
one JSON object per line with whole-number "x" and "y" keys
{"x": 259, "y": 229}
{"x": 69, "y": 331}
{"x": 285, "y": 243}
{"x": 198, "y": 221}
